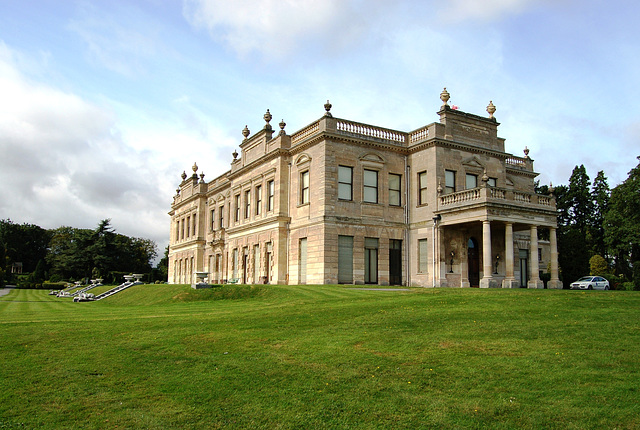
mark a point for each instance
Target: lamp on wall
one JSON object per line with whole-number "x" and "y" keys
{"x": 452, "y": 255}
{"x": 497, "y": 261}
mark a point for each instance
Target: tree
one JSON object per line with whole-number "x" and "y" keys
{"x": 600, "y": 194}
{"x": 163, "y": 265}
{"x": 23, "y": 243}
{"x": 622, "y": 235}
{"x": 581, "y": 204}
{"x": 575, "y": 207}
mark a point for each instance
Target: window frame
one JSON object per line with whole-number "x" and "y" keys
{"x": 258, "y": 196}
{"x": 393, "y": 191}
{"x": 449, "y": 189}
{"x": 271, "y": 191}
{"x": 472, "y": 176}
{"x": 422, "y": 191}
{"x": 304, "y": 187}
{"x": 366, "y": 187}
{"x": 349, "y": 184}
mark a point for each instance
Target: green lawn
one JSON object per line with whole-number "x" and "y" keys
{"x": 307, "y": 357}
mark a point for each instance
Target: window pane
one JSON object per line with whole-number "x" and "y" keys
{"x": 344, "y": 192}
{"x": 491, "y": 182}
{"x": 450, "y": 178}
{"x": 345, "y": 259}
{"x": 394, "y": 182}
{"x": 423, "y": 179}
{"x": 344, "y": 174}
{"x": 423, "y": 263}
{"x": 371, "y": 195}
{"x": 370, "y": 178}
{"x": 472, "y": 181}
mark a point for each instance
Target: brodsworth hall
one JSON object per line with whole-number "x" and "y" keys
{"x": 341, "y": 202}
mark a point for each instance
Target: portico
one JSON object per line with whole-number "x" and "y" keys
{"x": 493, "y": 235}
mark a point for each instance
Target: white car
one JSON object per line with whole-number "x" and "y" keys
{"x": 590, "y": 283}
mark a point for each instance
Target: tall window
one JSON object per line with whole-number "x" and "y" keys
{"x": 258, "y": 199}
{"x": 237, "y": 202}
{"x": 345, "y": 183}
{"x": 177, "y": 230}
{"x": 302, "y": 269}
{"x": 395, "y": 187}
{"x": 423, "y": 262}
{"x": 449, "y": 181}
{"x": 271, "y": 190}
{"x": 213, "y": 219}
{"x": 422, "y": 188}
{"x": 370, "y": 186}
{"x": 247, "y": 204}
{"x": 221, "y": 215}
{"x": 188, "y": 226}
{"x": 471, "y": 181}
{"x": 304, "y": 187}
{"x": 345, "y": 259}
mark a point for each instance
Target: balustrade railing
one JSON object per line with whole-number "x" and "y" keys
{"x": 494, "y": 193}
{"x": 419, "y": 134}
{"x": 370, "y": 131}
{"x": 306, "y": 132}
{"x": 516, "y": 162}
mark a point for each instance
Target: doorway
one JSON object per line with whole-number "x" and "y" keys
{"x": 370, "y": 260}
{"x": 473, "y": 258}
{"x": 524, "y": 268}
{"x": 395, "y": 262}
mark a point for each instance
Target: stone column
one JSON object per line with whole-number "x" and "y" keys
{"x": 487, "y": 280}
{"x": 534, "y": 269}
{"x": 555, "y": 281}
{"x": 509, "y": 281}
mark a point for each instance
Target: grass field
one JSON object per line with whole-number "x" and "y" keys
{"x": 307, "y": 357}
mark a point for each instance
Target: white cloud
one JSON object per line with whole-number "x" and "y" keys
{"x": 64, "y": 162}
{"x": 276, "y": 28}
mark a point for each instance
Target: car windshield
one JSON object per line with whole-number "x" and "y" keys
{"x": 584, "y": 278}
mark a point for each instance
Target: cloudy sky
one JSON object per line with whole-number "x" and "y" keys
{"x": 103, "y": 104}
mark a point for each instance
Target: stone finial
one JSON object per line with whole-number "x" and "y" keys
{"x": 551, "y": 189}
{"x": 235, "y": 155}
{"x": 267, "y": 117}
{"x": 445, "y": 96}
{"x": 526, "y": 152}
{"x": 184, "y": 175}
{"x": 439, "y": 189}
{"x": 177, "y": 191}
{"x": 245, "y": 132}
{"x": 202, "y": 177}
{"x": 327, "y": 107}
{"x": 282, "y": 126}
{"x": 194, "y": 167}
{"x": 485, "y": 178}
{"x": 491, "y": 109}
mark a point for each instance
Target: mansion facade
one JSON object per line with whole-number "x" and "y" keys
{"x": 341, "y": 202}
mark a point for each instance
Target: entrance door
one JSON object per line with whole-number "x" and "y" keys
{"x": 473, "y": 257}
{"x": 524, "y": 268}
{"x": 395, "y": 262}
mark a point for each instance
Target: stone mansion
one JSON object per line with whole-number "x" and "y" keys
{"x": 341, "y": 202}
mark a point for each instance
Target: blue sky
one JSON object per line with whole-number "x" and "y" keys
{"x": 103, "y": 104}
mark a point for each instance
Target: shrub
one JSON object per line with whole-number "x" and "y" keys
{"x": 629, "y": 286}
{"x": 597, "y": 265}
{"x": 615, "y": 282}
